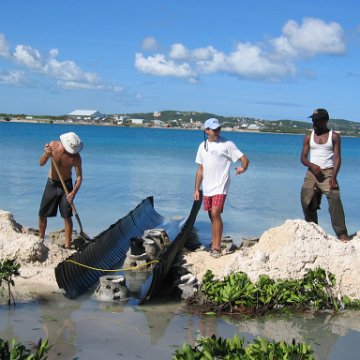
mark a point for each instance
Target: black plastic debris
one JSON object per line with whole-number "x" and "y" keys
{"x": 166, "y": 258}
{"x": 107, "y": 250}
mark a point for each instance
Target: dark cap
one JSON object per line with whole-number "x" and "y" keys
{"x": 319, "y": 114}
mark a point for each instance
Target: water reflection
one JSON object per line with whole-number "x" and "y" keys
{"x": 321, "y": 331}
{"x": 91, "y": 329}
{"x": 60, "y": 328}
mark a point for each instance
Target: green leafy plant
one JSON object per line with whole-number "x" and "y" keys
{"x": 236, "y": 293}
{"x": 8, "y": 269}
{"x": 208, "y": 348}
{"x": 18, "y": 351}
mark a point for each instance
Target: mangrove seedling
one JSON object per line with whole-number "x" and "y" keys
{"x": 8, "y": 269}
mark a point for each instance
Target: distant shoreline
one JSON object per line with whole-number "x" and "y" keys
{"x": 224, "y": 129}
{"x": 80, "y": 123}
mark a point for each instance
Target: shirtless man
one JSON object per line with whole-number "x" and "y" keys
{"x": 321, "y": 155}
{"x": 66, "y": 155}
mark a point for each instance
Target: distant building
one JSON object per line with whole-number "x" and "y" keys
{"x": 137, "y": 121}
{"x": 253, "y": 127}
{"x": 85, "y": 115}
{"x": 158, "y": 123}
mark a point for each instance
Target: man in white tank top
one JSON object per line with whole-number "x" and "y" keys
{"x": 321, "y": 155}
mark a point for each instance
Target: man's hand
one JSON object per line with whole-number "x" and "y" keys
{"x": 196, "y": 195}
{"x": 48, "y": 150}
{"x": 333, "y": 183}
{"x": 239, "y": 170}
{"x": 315, "y": 169}
{"x": 71, "y": 197}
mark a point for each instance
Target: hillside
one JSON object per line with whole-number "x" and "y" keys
{"x": 194, "y": 120}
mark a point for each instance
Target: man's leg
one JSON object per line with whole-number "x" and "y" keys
{"x": 68, "y": 232}
{"x": 337, "y": 215}
{"x": 307, "y": 198}
{"x": 216, "y": 228}
{"x": 42, "y": 227}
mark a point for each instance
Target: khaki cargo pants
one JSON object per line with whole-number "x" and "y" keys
{"x": 311, "y": 193}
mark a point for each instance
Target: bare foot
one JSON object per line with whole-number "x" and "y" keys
{"x": 344, "y": 238}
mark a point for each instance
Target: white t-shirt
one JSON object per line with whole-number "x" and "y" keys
{"x": 216, "y": 162}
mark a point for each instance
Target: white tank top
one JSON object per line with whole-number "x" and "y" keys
{"x": 322, "y": 154}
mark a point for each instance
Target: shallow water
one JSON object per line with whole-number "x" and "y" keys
{"x": 122, "y": 166}
{"x": 89, "y": 329}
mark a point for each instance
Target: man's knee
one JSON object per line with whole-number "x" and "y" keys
{"x": 306, "y": 196}
{"x": 333, "y": 195}
{"x": 215, "y": 213}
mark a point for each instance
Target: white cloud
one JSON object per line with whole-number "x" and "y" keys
{"x": 149, "y": 44}
{"x": 28, "y": 56}
{"x": 158, "y": 65}
{"x": 178, "y": 51}
{"x": 68, "y": 73}
{"x": 274, "y": 60}
{"x": 71, "y": 85}
{"x": 312, "y": 37}
{"x": 4, "y": 47}
{"x": 204, "y": 53}
{"x": 12, "y": 78}
{"x": 54, "y": 53}
{"x": 249, "y": 61}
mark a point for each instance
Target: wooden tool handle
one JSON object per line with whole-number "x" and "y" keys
{"x": 63, "y": 184}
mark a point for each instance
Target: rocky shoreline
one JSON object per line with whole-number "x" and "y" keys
{"x": 282, "y": 252}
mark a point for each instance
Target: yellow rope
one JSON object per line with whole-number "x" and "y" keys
{"x": 124, "y": 269}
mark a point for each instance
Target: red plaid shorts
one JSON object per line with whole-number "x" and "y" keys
{"x": 216, "y": 201}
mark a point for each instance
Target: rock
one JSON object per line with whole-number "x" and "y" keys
{"x": 227, "y": 245}
{"x": 285, "y": 252}
{"x": 24, "y": 247}
{"x": 37, "y": 259}
{"x": 248, "y": 242}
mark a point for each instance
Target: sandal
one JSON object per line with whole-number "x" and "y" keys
{"x": 215, "y": 253}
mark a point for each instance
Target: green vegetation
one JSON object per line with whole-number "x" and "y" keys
{"x": 236, "y": 293}
{"x": 234, "y": 349}
{"x": 18, "y": 351}
{"x": 194, "y": 119}
{"x": 8, "y": 269}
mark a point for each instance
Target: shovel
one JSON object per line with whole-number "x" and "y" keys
{"x": 82, "y": 234}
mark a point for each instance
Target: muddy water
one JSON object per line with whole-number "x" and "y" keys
{"x": 89, "y": 329}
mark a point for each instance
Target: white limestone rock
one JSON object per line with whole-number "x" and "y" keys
{"x": 285, "y": 252}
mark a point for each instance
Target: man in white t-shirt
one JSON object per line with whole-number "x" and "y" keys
{"x": 214, "y": 157}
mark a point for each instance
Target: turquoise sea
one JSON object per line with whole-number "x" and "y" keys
{"x": 121, "y": 167}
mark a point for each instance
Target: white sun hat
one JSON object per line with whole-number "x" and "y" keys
{"x": 71, "y": 142}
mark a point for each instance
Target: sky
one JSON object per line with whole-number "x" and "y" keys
{"x": 266, "y": 59}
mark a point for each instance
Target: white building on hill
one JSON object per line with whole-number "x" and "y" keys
{"x": 85, "y": 115}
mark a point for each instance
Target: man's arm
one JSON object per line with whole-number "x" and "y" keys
{"x": 46, "y": 154}
{"x": 198, "y": 181}
{"x": 78, "y": 181}
{"x": 244, "y": 165}
{"x": 337, "y": 159}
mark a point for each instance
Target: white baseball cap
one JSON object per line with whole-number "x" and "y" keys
{"x": 212, "y": 124}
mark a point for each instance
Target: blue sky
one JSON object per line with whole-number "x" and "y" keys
{"x": 266, "y": 59}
